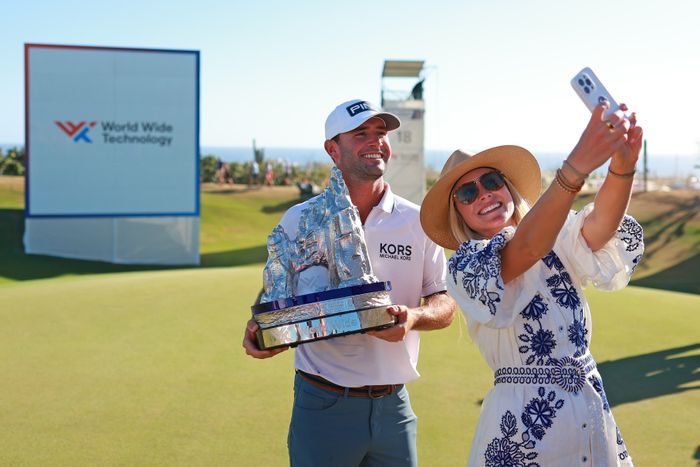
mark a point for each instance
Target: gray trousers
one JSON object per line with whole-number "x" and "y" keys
{"x": 329, "y": 429}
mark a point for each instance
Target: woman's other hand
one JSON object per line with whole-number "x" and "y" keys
{"x": 625, "y": 158}
{"x": 602, "y": 138}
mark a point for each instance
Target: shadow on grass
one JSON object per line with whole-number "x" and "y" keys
{"x": 681, "y": 277}
{"x": 284, "y": 206}
{"x": 238, "y": 257}
{"x": 670, "y": 225}
{"x": 233, "y": 190}
{"x": 651, "y": 375}
{"x": 675, "y": 206}
{"x": 281, "y": 207}
{"x": 18, "y": 266}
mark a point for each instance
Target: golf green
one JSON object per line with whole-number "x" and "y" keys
{"x": 146, "y": 368}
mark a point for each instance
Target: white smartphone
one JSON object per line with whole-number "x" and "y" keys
{"x": 591, "y": 91}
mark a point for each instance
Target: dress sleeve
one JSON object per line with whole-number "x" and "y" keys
{"x": 474, "y": 281}
{"x": 609, "y": 268}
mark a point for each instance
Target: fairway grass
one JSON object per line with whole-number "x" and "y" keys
{"x": 146, "y": 368}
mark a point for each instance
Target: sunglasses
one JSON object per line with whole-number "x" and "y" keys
{"x": 467, "y": 193}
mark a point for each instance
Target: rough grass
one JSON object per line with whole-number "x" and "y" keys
{"x": 671, "y": 222}
{"x": 235, "y": 221}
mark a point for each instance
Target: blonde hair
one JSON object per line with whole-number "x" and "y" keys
{"x": 462, "y": 232}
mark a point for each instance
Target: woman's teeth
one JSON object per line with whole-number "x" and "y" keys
{"x": 488, "y": 209}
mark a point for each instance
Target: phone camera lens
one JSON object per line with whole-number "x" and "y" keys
{"x": 580, "y": 81}
{"x": 587, "y": 89}
{"x": 588, "y": 81}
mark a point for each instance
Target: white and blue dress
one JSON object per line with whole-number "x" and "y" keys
{"x": 548, "y": 406}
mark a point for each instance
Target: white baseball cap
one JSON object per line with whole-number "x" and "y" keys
{"x": 351, "y": 114}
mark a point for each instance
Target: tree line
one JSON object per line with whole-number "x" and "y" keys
{"x": 213, "y": 169}
{"x": 12, "y": 163}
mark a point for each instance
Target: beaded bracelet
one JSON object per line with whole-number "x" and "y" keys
{"x": 623, "y": 175}
{"x": 565, "y": 185}
{"x": 568, "y": 183}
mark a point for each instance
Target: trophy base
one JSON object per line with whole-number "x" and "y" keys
{"x": 325, "y": 327}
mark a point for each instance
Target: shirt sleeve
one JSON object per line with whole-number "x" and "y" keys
{"x": 609, "y": 268}
{"x": 434, "y": 269}
{"x": 474, "y": 281}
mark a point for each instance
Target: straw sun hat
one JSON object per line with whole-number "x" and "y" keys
{"x": 517, "y": 164}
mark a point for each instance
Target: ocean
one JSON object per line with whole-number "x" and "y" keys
{"x": 659, "y": 165}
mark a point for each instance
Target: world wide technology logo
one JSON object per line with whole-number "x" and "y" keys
{"x": 76, "y": 131}
{"x": 131, "y": 132}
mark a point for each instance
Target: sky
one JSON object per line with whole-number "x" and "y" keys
{"x": 497, "y": 72}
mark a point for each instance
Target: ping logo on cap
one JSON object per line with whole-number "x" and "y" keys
{"x": 358, "y": 107}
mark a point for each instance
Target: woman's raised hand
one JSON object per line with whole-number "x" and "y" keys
{"x": 625, "y": 158}
{"x": 602, "y": 138}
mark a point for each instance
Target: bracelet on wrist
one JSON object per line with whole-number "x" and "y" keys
{"x": 568, "y": 183}
{"x": 565, "y": 184}
{"x": 576, "y": 172}
{"x": 622, "y": 175}
{"x": 563, "y": 187}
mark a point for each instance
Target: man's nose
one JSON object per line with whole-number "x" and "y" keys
{"x": 376, "y": 140}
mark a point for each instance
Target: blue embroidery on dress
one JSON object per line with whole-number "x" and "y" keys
{"x": 577, "y": 334}
{"x": 597, "y": 384}
{"x": 635, "y": 262}
{"x": 553, "y": 261}
{"x": 480, "y": 266}
{"x": 535, "y": 309}
{"x": 631, "y": 233}
{"x": 564, "y": 292}
{"x": 537, "y": 417}
{"x": 541, "y": 342}
{"x": 620, "y": 442}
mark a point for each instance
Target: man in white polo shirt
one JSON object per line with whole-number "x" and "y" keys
{"x": 350, "y": 404}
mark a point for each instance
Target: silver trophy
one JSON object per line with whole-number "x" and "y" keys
{"x": 330, "y": 235}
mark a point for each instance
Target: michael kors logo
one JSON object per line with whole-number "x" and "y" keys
{"x": 393, "y": 251}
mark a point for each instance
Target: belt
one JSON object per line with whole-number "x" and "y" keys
{"x": 569, "y": 373}
{"x": 373, "y": 392}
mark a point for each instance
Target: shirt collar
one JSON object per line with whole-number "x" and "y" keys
{"x": 387, "y": 202}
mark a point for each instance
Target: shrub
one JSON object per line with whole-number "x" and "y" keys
{"x": 208, "y": 166}
{"x": 13, "y": 162}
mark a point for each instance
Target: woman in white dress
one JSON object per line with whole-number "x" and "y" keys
{"x": 518, "y": 271}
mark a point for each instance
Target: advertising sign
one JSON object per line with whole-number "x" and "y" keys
{"x": 111, "y": 131}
